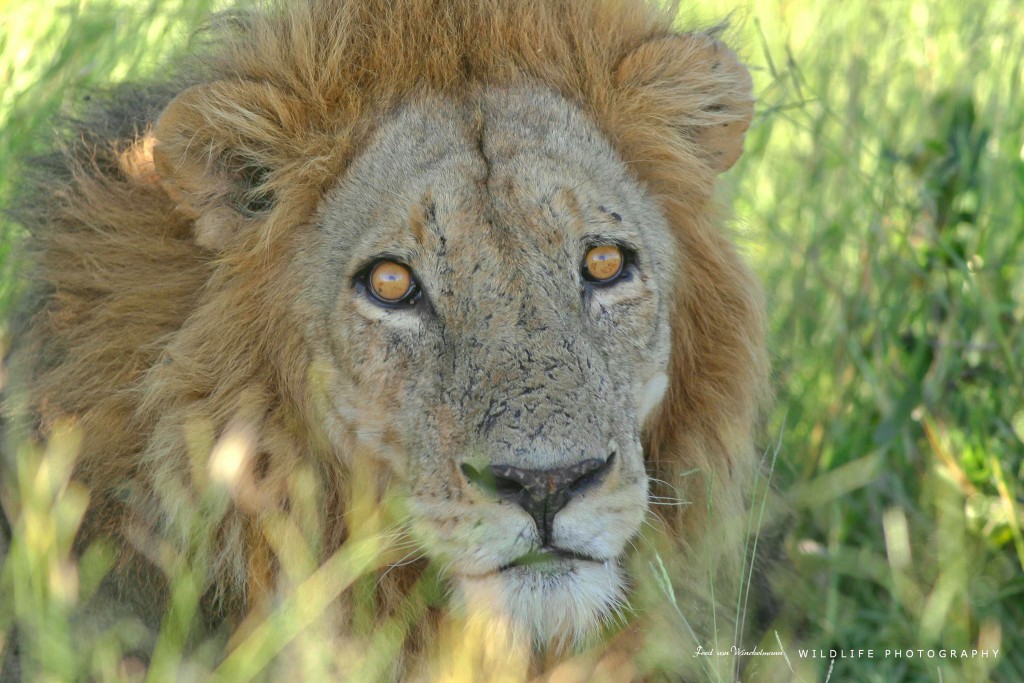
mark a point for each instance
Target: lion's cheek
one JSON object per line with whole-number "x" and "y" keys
{"x": 465, "y": 538}
{"x": 602, "y": 526}
{"x": 649, "y": 396}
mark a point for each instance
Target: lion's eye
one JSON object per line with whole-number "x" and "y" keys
{"x": 392, "y": 283}
{"x": 604, "y": 263}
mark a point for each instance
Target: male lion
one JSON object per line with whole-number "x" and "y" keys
{"x": 471, "y": 245}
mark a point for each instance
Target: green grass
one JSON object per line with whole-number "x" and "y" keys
{"x": 881, "y": 200}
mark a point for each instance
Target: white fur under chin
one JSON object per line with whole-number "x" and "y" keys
{"x": 548, "y": 607}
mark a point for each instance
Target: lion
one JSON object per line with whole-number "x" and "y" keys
{"x": 474, "y": 246}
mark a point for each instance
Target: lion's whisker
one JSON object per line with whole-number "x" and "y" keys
{"x": 404, "y": 561}
{"x": 672, "y": 502}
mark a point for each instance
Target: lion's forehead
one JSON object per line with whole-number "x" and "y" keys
{"x": 508, "y": 171}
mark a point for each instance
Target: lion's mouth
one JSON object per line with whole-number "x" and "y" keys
{"x": 547, "y": 555}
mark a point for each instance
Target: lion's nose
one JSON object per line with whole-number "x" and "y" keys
{"x": 542, "y": 493}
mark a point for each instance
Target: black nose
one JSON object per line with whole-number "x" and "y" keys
{"x": 542, "y": 493}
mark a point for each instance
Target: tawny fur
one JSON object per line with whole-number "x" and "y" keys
{"x": 157, "y": 306}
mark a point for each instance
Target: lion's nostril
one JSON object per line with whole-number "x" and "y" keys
{"x": 507, "y": 487}
{"x": 593, "y": 475}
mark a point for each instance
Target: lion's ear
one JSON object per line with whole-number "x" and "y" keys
{"x": 698, "y": 86}
{"x": 216, "y": 147}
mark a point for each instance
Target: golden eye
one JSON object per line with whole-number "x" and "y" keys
{"x": 391, "y": 282}
{"x": 603, "y": 263}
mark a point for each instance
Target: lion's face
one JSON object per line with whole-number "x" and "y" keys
{"x": 508, "y": 389}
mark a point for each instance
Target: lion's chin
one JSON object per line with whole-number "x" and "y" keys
{"x": 550, "y": 606}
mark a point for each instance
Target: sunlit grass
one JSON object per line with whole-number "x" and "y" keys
{"x": 881, "y": 200}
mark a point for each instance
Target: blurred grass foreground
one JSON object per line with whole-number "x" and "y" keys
{"x": 881, "y": 200}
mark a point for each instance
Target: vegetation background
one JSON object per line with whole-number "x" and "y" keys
{"x": 881, "y": 200}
